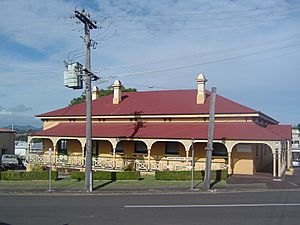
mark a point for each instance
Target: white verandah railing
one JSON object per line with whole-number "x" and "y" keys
{"x": 111, "y": 163}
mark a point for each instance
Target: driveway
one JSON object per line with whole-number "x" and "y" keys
{"x": 266, "y": 180}
{"x": 295, "y": 178}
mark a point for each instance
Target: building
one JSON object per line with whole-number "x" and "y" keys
{"x": 21, "y": 148}
{"x": 157, "y": 130}
{"x": 7, "y": 141}
{"x": 296, "y": 146}
{"x": 296, "y": 137}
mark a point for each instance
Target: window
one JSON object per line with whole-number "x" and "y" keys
{"x": 140, "y": 147}
{"x": 172, "y": 148}
{"x": 62, "y": 147}
{"x": 120, "y": 147}
{"x": 247, "y": 148}
{"x": 219, "y": 150}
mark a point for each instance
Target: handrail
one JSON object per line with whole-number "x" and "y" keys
{"x": 109, "y": 163}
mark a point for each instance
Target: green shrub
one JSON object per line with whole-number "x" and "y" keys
{"x": 104, "y": 175}
{"x": 33, "y": 175}
{"x": 107, "y": 175}
{"x": 187, "y": 175}
{"x": 129, "y": 167}
{"x": 77, "y": 175}
{"x": 37, "y": 167}
{"x": 176, "y": 175}
{"x": 128, "y": 175}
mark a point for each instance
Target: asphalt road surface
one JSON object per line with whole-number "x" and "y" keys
{"x": 252, "y": 208}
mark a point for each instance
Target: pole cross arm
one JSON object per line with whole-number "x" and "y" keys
{"x": 84, "y": 19}
{"x": 87, "y": 72}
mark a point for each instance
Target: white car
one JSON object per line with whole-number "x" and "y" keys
{"x": 296, "y": 158}
{"x": 295, "y": 163}
{"x": 9, "y": 160}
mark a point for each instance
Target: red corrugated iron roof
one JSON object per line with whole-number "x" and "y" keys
{"x": 230, "y": 131}
{"x": 171, "y": 102}
{"x": 6, "y": 130}
{"x": 285, "y": 131}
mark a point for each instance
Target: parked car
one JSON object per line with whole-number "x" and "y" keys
{"x": 9, "y": 161}
{"x": 296, "y": 158}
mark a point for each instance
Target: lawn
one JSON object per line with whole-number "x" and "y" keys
{"x": 146, "y": 182}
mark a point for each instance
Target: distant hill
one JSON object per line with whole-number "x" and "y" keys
{"x": 23, "y": 128}
{"x": 6, "y": 120}
{"x": 23, "y": 131}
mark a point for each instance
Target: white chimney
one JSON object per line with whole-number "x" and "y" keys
{"x": 201, "y": 97}
{"x": 117, "y": 92}
{"x": 95, "y": 93}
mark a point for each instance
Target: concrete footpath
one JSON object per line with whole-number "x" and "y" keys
{"x": 236, "y": 183}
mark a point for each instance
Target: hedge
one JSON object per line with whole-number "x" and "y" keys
{"x": 107, "y": 175}
{"x": 23, "y": 175}
{"x": 187, "y": 175}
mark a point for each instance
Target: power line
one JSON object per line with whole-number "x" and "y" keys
{"x": 200, "y": 13}
{"x": 184, "y": 78}
{"x": 256, "y": 44}
{"x": 207, "y": 27}
{"x": 149, "y": 86}
{"x": 192, "y": 19}
{"x": 35, "y": 75}
{"x": 41, "y": 21}
{"x": 204, "y": 63}
{"x": 72, "y": 52}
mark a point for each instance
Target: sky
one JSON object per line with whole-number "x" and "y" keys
{"x": 249, "y": 50}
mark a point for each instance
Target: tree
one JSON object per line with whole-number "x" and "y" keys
{"x": 77, "y": 100}
{"x": 102, "y": 92}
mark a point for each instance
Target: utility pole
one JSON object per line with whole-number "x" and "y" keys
{"x": 88, "y": 25}
{"x": 193, "y": 164}
{"x": 50, "y": 170}
{"x": 209, "y": 147}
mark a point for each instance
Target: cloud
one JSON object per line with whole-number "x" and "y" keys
{"x": 20, "y": 108}
{"x": 3, "y": 111}
{"x": 14, "y": 109}
{"x": 173, "y": 33}
{"x": 34, "y": 24}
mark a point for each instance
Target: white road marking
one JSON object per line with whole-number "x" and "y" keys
{"x": 213, "y": 206}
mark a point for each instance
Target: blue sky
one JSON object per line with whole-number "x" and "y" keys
{"x": 249, "y": 50}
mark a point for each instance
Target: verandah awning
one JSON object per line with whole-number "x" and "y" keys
{"x": 223, "y": 130}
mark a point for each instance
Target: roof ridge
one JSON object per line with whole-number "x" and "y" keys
{"x": 158, "y": 102}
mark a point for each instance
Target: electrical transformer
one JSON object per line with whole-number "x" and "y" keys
{"x": 72, "y": 77}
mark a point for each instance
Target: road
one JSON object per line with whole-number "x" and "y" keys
{"x": 265, "y": 208}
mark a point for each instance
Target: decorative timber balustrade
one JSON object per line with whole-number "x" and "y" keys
{"x": 111, "y": 163}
